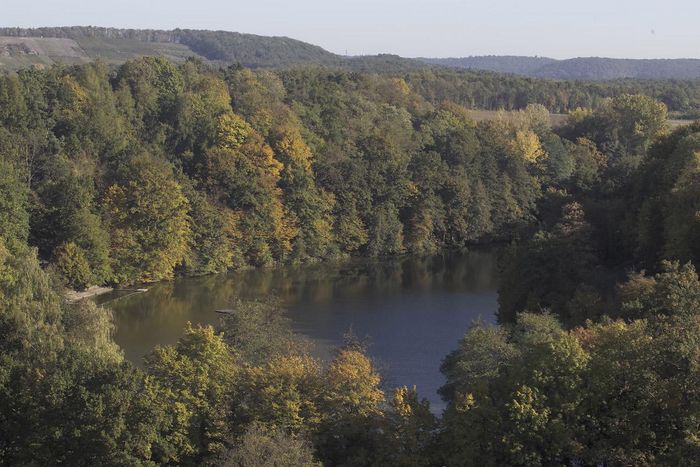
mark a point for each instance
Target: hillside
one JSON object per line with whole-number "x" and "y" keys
{"x": 118, "y": 45}
{"x": 589, "y": 69}
{"x": 78, "y": 44}
{"x": 16, "y": 52}
{"x": 498, "y": 63}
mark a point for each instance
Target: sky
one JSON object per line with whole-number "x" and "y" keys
{"x": 410, "y": 28}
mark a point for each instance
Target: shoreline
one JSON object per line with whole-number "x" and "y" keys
{"x": 73, "y": 296}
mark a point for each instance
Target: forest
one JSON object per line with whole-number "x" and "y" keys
{"x": 149, "y": 170}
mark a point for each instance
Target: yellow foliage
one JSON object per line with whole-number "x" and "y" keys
{"x": 464, "y": 402}
{"x": 285, "y": 228}
{"x": 283, "y": 392}
{"x": 528, "y": 408}
{"x": 150, "y": 224}
{"x": 402, "y": 401}
{"x": 292, "y": 149}
{"x": 323, "y": 227}
{"x": 214, "y": 93}
{"x": 194, "y": 379}
{"x": 578, "y": 115}
{"x": 457, "y": 115}
{"x": 527, "y": 145}
{"x": 75, "y": 94}
{"x": 263, "y": 156}
{"x": 232, "y": 131}
{"x": 352, "y": 386}
{"x": 401, "y": 86}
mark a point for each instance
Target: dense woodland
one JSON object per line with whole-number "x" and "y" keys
{"x": 674, "y": 82}
{"x": 153, "y": 169}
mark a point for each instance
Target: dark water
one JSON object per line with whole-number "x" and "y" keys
{"x": 412, "y": 310}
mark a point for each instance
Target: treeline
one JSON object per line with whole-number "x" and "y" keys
{"x": 470, "y": 88}
{"x": 486, "y": 90}
{"x": 155, "y": 169}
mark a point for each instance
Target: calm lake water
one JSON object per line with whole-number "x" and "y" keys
{"x": 413, "y": 311}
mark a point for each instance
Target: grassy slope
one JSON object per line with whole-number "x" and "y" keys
{"x": 219, "y": 47}
{"x": 20, "y": 52}
{"x": 120, "y": 50}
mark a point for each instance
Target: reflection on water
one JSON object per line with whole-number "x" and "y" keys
{"x": 413, "y": 310}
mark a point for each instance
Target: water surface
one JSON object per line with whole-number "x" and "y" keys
{"x": 413, "y": 311}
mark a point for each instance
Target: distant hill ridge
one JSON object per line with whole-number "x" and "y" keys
{"x": 249, "y": 50}
{"x": 77, "y": 44}
{"x": 585, "y": 68}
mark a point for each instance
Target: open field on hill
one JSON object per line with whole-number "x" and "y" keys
{"x": 121, "y": 50}
{"x": 555, "y": 119}
{"x": 18, "y": 52}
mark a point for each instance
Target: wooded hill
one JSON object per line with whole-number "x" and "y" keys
{"x": 587, "y": 68}
{"x": 21, "y": 47}
{"x": 118, "y": 45}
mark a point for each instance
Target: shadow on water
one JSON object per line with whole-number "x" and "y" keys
{"x": 412, "y": 310}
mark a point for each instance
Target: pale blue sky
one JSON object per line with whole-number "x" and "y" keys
{"x": 555, "y": 28}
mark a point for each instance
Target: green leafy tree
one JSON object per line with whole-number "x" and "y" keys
{"x": 351, "y": 406}
{"x": 675, "y": 291}
{"x": 194, "y": 381}
{"x": 216, "y": 237}
{"x": 65, "y": 392}
{"x": 67, "y": 213}
{"x": 282, "y": 393}
{"x": 14, "y": 216}
{"x": 243, "y": 173}
{"x": 73, "y": 266}
{"x": 260, "y": 330}
{"x": 149, "y": 222}
{"x": 310, "y": 206}
{"x": 410, "y": 431}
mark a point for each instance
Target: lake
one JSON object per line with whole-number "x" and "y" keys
{"x": 412, "y": 311}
